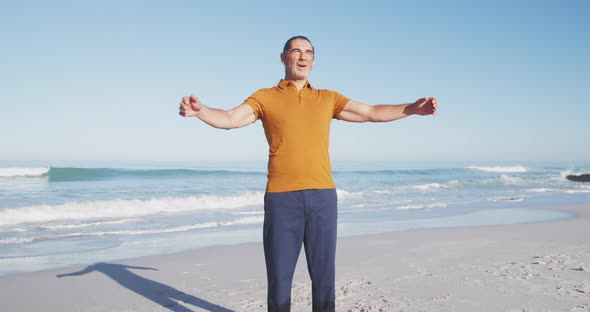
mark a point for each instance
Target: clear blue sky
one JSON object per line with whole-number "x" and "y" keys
{"x": 101, "y": 80}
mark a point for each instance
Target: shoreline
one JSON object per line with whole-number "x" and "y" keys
{"x": 480, "y": 217}
{"x": 540, "y": 266}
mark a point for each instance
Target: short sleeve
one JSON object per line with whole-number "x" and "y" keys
{"x": 255, "y": 101}
{"x": 340, "y": 102}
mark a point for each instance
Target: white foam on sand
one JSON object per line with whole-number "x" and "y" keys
{"x": 173, "y": 229}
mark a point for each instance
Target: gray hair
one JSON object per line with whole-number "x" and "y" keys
{"x": 288, "y": 43}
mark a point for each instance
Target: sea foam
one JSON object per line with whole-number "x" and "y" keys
{"x": 163, "y": 230}
{"x": 509, "y": 180}
{"x": 430, "y": 186}
{"x": 423, "y": 206}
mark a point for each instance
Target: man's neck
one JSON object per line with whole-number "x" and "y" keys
{"x": 298, "y": 83}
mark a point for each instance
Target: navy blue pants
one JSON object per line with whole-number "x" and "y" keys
{"x": 293, "y": 218}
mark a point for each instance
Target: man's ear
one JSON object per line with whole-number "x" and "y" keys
{"x": 282, "y": 58}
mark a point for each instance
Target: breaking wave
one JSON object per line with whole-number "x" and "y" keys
{"x": 125, "y": 208}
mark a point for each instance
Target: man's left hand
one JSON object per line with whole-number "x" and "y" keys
{"x": 426, "y": 106}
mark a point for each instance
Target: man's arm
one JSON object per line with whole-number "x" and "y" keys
{"x": 237, "y": 117}
{"x": 360, "y": 112}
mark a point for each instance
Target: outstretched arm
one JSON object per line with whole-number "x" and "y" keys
{"x": 360, "y": 112}
{"x": 86, "y": 270}
{"x": 237, "y": 117}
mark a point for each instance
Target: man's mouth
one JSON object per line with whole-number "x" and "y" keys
{"x": 301, "y": 66}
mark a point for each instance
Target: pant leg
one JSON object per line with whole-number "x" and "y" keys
{"x": 282, "y": 238}
{"x": 320, "y": 247}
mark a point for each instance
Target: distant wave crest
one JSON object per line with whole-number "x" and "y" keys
{"x": 510, "y": 169}
{"x": 23, "y": 172}
{"x": 59, "y": 174}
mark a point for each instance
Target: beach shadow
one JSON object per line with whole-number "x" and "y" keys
{"x": 157, "y": 292}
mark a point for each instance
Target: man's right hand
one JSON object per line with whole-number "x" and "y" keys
{"x": 190, "y": 106}
{"x": 237, "y": 117}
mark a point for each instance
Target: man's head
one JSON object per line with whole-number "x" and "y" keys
{"x": 298, "y": 56}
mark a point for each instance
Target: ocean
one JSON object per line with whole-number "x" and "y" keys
{"x": 59, "y": 216}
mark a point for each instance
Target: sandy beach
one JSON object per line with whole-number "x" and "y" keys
{"x": 521, "y": 267}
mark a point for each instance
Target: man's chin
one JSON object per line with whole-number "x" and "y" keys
{"x": 301, "y": 76}
{"x": 298, "y": 75}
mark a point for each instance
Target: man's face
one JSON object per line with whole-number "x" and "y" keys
{"x": 298, "y": 60}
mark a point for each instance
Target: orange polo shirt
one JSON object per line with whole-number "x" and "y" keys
{"x": 297, "y": 128}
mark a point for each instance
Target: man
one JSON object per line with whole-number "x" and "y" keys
{"x": 300, "y": 201}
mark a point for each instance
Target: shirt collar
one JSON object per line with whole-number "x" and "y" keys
{"x": 285, "y": 83}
